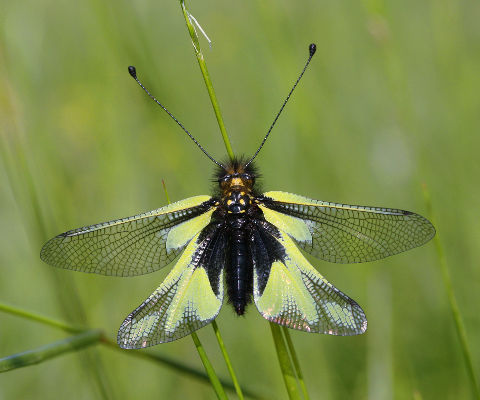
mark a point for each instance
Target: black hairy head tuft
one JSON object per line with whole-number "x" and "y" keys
{"x": 236, "y": 167}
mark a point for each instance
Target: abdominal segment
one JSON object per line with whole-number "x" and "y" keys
{"x": 239, "y": 276}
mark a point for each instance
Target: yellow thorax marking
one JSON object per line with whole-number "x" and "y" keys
{"x": 237, "y": 182}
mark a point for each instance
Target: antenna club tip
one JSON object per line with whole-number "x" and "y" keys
{"x": 132, "y": 71}
{"x": 312, "y": 49}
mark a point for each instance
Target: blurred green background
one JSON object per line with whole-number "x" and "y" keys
{"x": 391, "y": 101}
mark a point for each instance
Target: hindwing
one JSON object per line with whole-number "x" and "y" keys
{"x": 131, "y": 246}
{"x": 290, "y": 292}
{"x": 189, "y": 298}
{"x": 343, "y": 233}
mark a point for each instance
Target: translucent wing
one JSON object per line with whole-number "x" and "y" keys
{"x": 189, "y": 298}
{"x": 292, "y": 293}
{"x": 343, "y": 233}
{"x": 130, "y": 246}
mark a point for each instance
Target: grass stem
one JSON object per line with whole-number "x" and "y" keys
{"x": 226, "y": 357}
{"x": 285, "y": 364}
{"x": 206, "y": 78}
{"x": 39, "y": 318}
{"x": 182, "y": 368}
{"x": 296, "y": 363}
{"x": 282, "y": 351}
{"x": 20, "y": 173}
{"x": 55, "y": 349}
{"x": 217, "y": 385}
{"x": 457, "y": 317}
{"x": 213, "y": 98}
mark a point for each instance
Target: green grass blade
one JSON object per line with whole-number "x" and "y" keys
{"x": 217, "y": 385}
{"x": 285, "y": 365}
{"x": 206, "y": 78}
{"x": 182, "y": 368}
{"x": 39, "y": 318}
{"x": 226, "y": 357}
{"x": 459, "y": 325}
{"x": 282, "y": 352}
{"x": 166, "y": 192}
{"x": 228, "y": 147}
{"x": 20, "y": 174}
{"x": 296, "y": 363}
{"x": 49, "y": 351}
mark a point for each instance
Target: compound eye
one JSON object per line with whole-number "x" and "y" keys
{"x": 249, "y": 177}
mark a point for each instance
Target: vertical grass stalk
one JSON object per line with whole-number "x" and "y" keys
{"x": 296, "y": 363}
{"x": 228, "y": 147}
{"x": 226, "y": 357}
{"x": 282, "y": 352}
{"x": 217, "y": 386}
{"x": 206, "y": 78}
{"x": 457, "y": 317}
{"x": 22, "y": 183}
{"x": 285, "y": 364}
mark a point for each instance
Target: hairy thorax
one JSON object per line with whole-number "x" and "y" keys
{"x": 236, "y": 187}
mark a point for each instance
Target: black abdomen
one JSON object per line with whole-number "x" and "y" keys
{"x": 239, "y": 271}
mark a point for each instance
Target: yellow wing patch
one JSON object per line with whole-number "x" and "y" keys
{"x": 182, "y": 204}
{"x": 181, "y": 234}
{"x": 287, "y": 291}
{"x": 298, "y": 297}
{"x": 295, "y": 227}
{"x": 286, "y": 197}
{"x": 183, "y": 303}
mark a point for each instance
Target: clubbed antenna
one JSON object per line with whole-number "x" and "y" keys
{"x": 133, "y": 73}
{"x": 312, "y": 49}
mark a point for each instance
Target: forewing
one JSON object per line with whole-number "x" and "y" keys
{"x": 343, "y": 233}
{"x": 189, "y": 298}
{"x": 298, "y": 297}
{"x": 130, "y": 246}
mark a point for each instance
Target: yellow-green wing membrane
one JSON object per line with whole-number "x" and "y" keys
{"x": 188, "y": 298}
{"x": 343, "y": 233}
{"x": 130, "y": 246}
{"x": 298, "y": 297}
